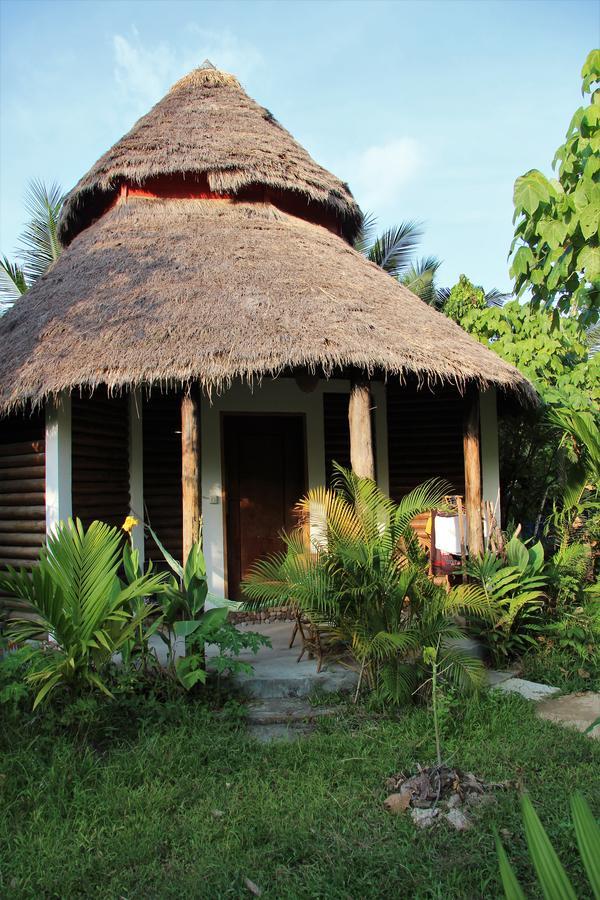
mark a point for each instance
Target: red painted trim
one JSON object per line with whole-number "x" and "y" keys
{"x": 176, "y": 187}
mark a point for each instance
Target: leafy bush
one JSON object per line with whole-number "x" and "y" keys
{"x": 184, "y": 616}
{"x": 514, "y": 584}
{"x": 75, "y": 595}
{"x": 363, "y": 576}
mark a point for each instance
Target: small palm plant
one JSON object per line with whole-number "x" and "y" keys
{"x": 74, "y": 595}
{"x": 364, "y": 576}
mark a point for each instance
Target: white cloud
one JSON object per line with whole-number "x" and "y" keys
{"x": 144, "y": 72}
{"x": 379, "y": 174}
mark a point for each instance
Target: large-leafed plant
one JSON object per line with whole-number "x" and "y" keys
{"x": 363, "y": 575}
{"x": 78, "y": 608}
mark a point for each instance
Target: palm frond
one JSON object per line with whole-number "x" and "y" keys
{"x": 495, "y": 297}
{"x": 366, "y": 233}
{"x": 12, "y": 283}
{"x": 392, "y": 250}
{"x": 420, "y": 279}
{"x": 39, "y": 246}
{"x": 592, "y": 338}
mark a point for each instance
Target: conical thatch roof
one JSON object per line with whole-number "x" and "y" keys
{"x": 207, "y": 128}
{"x": 172, "y": 290}
{"x": 161, "y": 290}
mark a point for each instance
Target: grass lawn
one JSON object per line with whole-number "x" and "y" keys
{"x": 180, "y": 804}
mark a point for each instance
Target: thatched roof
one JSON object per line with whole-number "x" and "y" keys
{"x": 175, "y": 290}
{"x": 208, "y": 128}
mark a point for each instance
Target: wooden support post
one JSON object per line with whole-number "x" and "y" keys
{"x": 362, "y": 459}
{"x": 471, "y": 443}
{"x": 190, "y": 469}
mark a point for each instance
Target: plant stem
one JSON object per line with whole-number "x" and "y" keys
{"x": 436, "y": 726}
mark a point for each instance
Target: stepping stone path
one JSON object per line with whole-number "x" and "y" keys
{"x": 579, "y": 710}
{"x": 283, "y": 719}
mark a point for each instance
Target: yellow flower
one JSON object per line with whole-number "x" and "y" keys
{"x": 129, "y": 524}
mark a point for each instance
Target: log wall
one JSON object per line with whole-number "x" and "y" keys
{"x": 22, "y": 489}
{"x": 100, "y": 448}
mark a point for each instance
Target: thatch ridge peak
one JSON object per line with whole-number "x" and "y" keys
{"x": 207, "y": 128}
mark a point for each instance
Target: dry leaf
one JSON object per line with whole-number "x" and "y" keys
{"x": 253, "y": 888}
{"x": 397, "y": 802}
{"x": 583, "y": 673}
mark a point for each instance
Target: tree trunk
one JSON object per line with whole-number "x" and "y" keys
{"x": 359, "y": 419}
{"x": 471, "y": 441}
{"x": 190, "y": 470}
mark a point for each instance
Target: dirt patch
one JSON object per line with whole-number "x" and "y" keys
{"x": 441, "y": 793}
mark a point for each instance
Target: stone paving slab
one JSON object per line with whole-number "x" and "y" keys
{"x": 576, "y": 710}
{"x": 531, "y": 690}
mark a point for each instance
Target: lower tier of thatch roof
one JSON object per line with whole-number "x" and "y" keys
{"x": 213, "y": 290}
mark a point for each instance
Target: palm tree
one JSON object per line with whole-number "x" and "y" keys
{"x": 39, "y": 246}
{"x": 365, "y": 579}
{"x": 393, "y": 251}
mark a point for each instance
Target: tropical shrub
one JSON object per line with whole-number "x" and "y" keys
{"x": 580, "y": 495}
{"x": 553, "y": 880}
{"x": 183, "y": 615}
{"x": 514, "y": 584}
{"x": 363, "y": 576}
{"x": 75, "y": 596}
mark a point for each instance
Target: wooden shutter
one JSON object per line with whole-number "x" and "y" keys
{"x": 100, "y": 447}
{"x": 424, "y": 436}
{"x": 22, "y": 488}
{"x": 162, "y": 473}
{"x": 337, "y": 432}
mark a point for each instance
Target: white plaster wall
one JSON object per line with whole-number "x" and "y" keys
{"x": 136, "y": 471}
{"x": 490, "y": 457}
{"x": 58, "y": 462}
{"x": 280, "y": 395}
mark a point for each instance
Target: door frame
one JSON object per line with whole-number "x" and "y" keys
{"x": 262, "y": 414}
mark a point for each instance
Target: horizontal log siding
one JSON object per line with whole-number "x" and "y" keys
{"x": 337, "y": 432}
{"x": 100, "y": 447}
{"x": 162, "y": 473}
{"x": 424, "y": 437}
{"x": 22, "y": 489}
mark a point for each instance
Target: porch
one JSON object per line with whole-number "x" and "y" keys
{"x": 241, "y": 461}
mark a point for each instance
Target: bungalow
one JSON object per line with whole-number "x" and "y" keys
{"x": 209, "y": 342}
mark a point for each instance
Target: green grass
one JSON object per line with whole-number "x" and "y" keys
{"x": 127, "y": 810}
{"x": 562, "y": 670}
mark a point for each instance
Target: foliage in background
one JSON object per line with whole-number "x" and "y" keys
{"x": 463, "y": 298}
{"x": 514, "y": 583}
{"x": 553, "y": 879}
{"x": 555, "y": 356}
{"x": 579, "y": 502}
{"x": 75, "y": 595}
{"x": 556, "y": 252}
{"x": 364, "y": 575}
{"x": 39, "y": 246}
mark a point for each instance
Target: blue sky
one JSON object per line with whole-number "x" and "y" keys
{"x": 429, "y": 110}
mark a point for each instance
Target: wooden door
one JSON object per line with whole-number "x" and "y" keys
{"x": 264, "y": 479}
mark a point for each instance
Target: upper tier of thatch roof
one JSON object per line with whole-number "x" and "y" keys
{"x": 161, "y": 290}
{"x": 207, "y": 127}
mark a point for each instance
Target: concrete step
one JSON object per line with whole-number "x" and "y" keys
{"x": 284, "y": 712}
